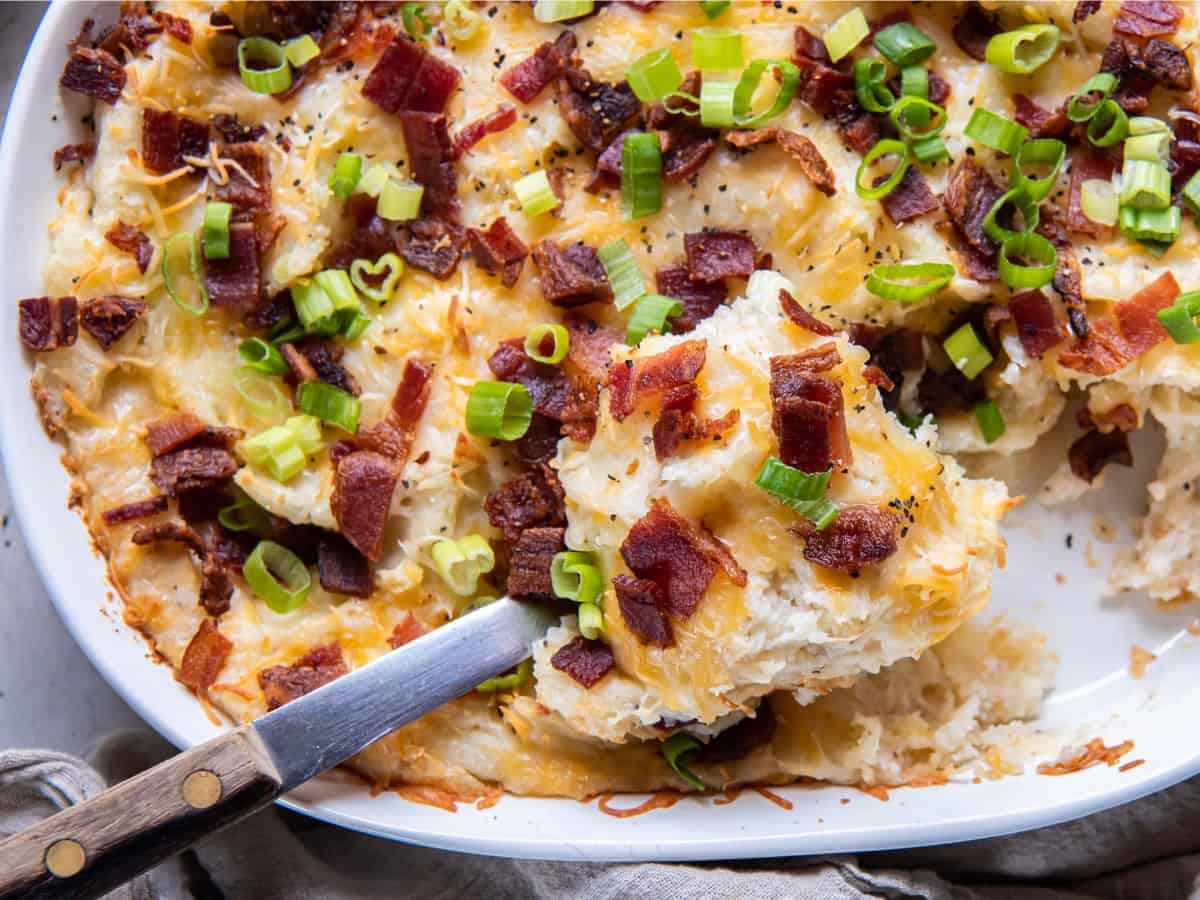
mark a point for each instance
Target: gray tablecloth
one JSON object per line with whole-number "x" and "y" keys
{"x": 1149, "y": 849}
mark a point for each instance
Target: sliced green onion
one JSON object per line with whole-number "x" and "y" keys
{"x": 650, "y": 313}
{"x": 461, "y": 562}
{"x": 379, "y": 291}
{"x": 346, "y": 174}
{"x": 263, "y": 396}
{"x": 905, "y": 105}
{"x": 716, "y": 49}
{"x": 966, "y": 351}
{"x": 353, "y": 323}
{"x": 909, "y": 282}
{"x": 536, "y": 339}
{"x": 996, "y": 131}
{"x": 716, "y": 103}
{"x": 1148, "y": 125}
{"x": 177, "y": 282}
{"x": 1145, "y": 184}
{"x": 499, "y": 409}
{"x": 1022, "y": 203}
{"x": 263, "y": 65}
{"x": 623, "y": 273}
{"x": 282, "y": 451}
{"x": 575, "y": 576}
{"x": 1098, "y": 200}
{"x": 884, "y": 148}
{"x": 306, "y": 432}
{"x": 312, "y": 304}
{"x": 591, "y": 620}
{"x": 1109, "y": 125}
{"x": 1023, "y": 50}
{"x": 1087, "y": 100}
{"x": 216, "y": 229}
{"x": 903, "y": 44}
{"x": 244, "y": 515}
{"x": 713, "y": 8}
{"x": 1179, "y": 319}
{"x": 277, "y": 576}
{"x": 654, "y": 75}
{"x": 415, "y": 23}
{"x": 375, "y": 180}
{"x": 262, "y": 357}
{"x": 1154, "y": 147}
{"x": 1031, "y": 245}
{"x": 679, "y": 749}
{"x": 510, "y": 682}
{"x": 1156, "y": 225}
{"x": 561, "y": 10}
{"x": 535, "y": 194}
{"x": 870, "y": 76}
{"x": 329, "y": 404}
{"x": 802, "y": 491}
{"x": 641, "y": 175}
{"x": 747, "y": 85}
{"x": 1191, "y": 194}
{"x": 846, "y": 33}
{"x": 1041, "y": 152}
{"x": 991, "y": 422}
{"x": 301, "y": 50}
{"x": 459, "y": 21}
{"x": 929, "y": 150}
{"x": 914, "y": 82}
{"x": 338, "y": 287}
{"x": 400, "y": 201}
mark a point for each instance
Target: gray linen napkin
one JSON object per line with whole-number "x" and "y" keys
{"x": 1149, "y": 849}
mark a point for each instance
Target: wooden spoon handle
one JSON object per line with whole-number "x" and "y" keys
{"x": 87, "y": 850}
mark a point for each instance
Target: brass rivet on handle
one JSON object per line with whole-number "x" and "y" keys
{"x": 65, "y": 858}
{"x": 201, "y": 789}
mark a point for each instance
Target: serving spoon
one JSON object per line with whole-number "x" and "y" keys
{"x": 87, "y": 850}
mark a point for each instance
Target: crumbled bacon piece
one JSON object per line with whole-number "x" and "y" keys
{"x": 131, "y": 33}
{"x": 822, "y": 87}
{"x": 1084, "y": 10}
{"x": 861, "y": 535}
{"x": 589, "y": 354}
{"x": 686, "y": 144}
{"x": 235, "y": 281}
{"x": 431, "y": 162}
{"x": 408, "y": 403}
{"x": 716, "y": 255}
{"x": 1147, "y": 18}
{"x": 80, "y": 153}
{"x": 798, "y": 147}
{"x": 973, "y": 30}
{"x": 529, "y": 563}
{"x": 531, "y": 500}
{"x": 204, "y": 657}
{"x": 675, "y": 426}
{"x": 970, "y": 194}
{"x": 571, "y": 274}
{"x": 741, "y": 739}
{"x": 1041, "y": 122}
{"x": 363, "y": 484}
{"x": 192, "y": 468}
{"x": 47, "y": 323}
{"x": 1086, "y": 166}
{"x": 595, "y": 111}
{"x": 1132, "y": 329}
{"x": 407, "y": 78}
{"x": 95, "y": 73}
{"x": 1167, "y": 65}
{"x": 554, "y": 393}
{"x": 283, "y": 684}
{"x": 138, "y": 509}
{"x": 641, "y": 604}
{"x": 176, "y": 27}
{"x": 1037, "y": 328}
{"x": 700, "y": 300}
{"x": 168, "y": 137}
{"x": 872, "y": 374}
{"x": 1091, "y": 453}
{"x": 342, "y": 569}
{"x": 584, "y": 660}
{"x": 809, "y": 413}
{"x": 215, "y": 586}
{"x": 910, "y": 199}
{"x": 406, "y": 631}
{"x": 498, "y": 250}
{"x": 635, "y": 379}
{"x": 501, "y": 118}
{"x": 433, "y": 246}
{"x": 133, "y": 241}
{"x": 171, "y": 433}
{"x": 107, "y": 319}
{"x": 233, "y": 131}
{"x": 802, "y": 317}
{"x": 249, "y": 199}
{"x": 324, "y": 358}
{"x": 531, "y": 76}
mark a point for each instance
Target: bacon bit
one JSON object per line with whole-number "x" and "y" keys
{"x": 215, "y": 586}
{"x": 1085, "y": 9}
{"x": 433, "y": 246}
{"x": 529, "y": 563}
{"x": 774, "y": 798}
{"x": 798, "y": 147}
{"x": 1086, "y": 166}
{"x": 1092, "y": 753}
{"x": 502, "y": 117}
{"x": 802, "y": 317}
{"x": 283, "y": 684}
{"x": 822, "y": 87}
{"x": 248, "y": 185}
{"x": 686, "y": 144}
{"x": 362, "y": 496}
{"x": 1147, "y": 18}
{"x": 910, "y": 199}
{"x": 94, "y": 73}
{"x": 133, "y": 241}
{"x": 431, "y": 161}
{"x": 878, "y": 791}
{"x": 235, "y": 281}
{"x": 168, "y": 137}
{"x": 1139, "y": 659}
{"x": 646, "y": 376}
{"x": 874, "y": 375}
{"x": 809, "y": 413}
{"x": 571, "y": 275}
{"x": 192, "y": 468}
{"x": 556, "y": 396}
{"x": 584, "y": 660}
{"x": 138, "y": 509}
{"x": 660, "y": 800}
{"x": 861, "y": 535}
{"x": 409, "y": 78}
{"x": 533, "y": 499}
{"x": 406, "y": 631}
{"x": 234, "y": 132}
{"x": 47, "y": 323}
{"x": 530, "y": 77}
{"x": 1089, "y": 454}
{"x": 589, "y": 354}
{"x": 180, "y": 29}
{"x": 107, "y": 319}
{"x": 80, "y": 153}
{"x": 204, "y": 657}
{"x": 700, "y": 300}
{"x": 973, "y": 30}
{"x": 675, "y": 426}
{"x": 342, "y": 569}
{"x": 1037, "y": 328}
{"x": 1041, "y": 122}
{"x": 596, "y": 111}
{"x": 165, "y": 435}
{"x": 1132, "y": 329}
{"x": 970, "y": 194}
{"x": 716, "y": 255}
{"x": 498, "y": 250}
{"x": 642, "y": 605}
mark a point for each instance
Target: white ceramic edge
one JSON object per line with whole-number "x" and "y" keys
{"x": 1096, "y": 791}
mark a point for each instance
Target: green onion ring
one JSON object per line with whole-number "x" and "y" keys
{"x": 1088, "y": 99}
{"x": 883, "y": 148}
{"x": 272, "y": 80}
{"x": 892, "y": 281}
{"x": 1032, "y": 245}
{"x": 928, "y": 110}
{"x": 536, "y": 338}
{"x": 178, "y": 239}
{"x": 869, "y": 85}
{"x": 1109, "y": 125}
{"x": 1022, "y": 201}
{"x": 278, "y": 576}
{"x": 748, "y": 84}
{"x": 1046, "y": 151}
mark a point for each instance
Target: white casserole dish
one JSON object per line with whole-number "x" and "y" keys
{"x": 1095, "y": 694}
